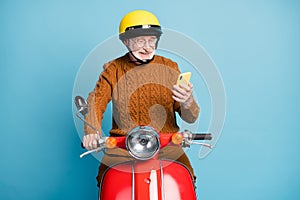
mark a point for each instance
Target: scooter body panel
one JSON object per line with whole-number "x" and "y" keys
{"x": 177, "y": 182}
{"x": 117, "y": 182}
{"x": 148, "y": 180}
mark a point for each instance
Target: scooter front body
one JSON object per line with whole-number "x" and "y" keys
{"x": 147, "y": 177}
{"x": 147, "y": 180}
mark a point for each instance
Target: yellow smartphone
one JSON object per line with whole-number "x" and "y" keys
{"x": 184, "y": 78}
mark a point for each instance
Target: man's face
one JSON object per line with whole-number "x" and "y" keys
{"x": 142, "y": 47}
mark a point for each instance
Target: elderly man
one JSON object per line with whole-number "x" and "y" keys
{"x": 141, "y": 86}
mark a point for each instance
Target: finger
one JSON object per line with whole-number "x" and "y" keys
{"x": 179, "y": 90}
{"x": 181, "y": 97}
{"x": 183, "y": 94}
{"x": 177, "y": 99}
{"x": 184, "y": 87}
{"x": 92, "y": 141}
{"x": 88, "y": 141}
{"x": 94, "y": 144}
{"x": 188, "y": 88}
{"x": 178, "y": 94}
{"x": 85, "y": 141}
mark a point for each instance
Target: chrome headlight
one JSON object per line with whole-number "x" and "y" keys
{"x": 142, "y": 142}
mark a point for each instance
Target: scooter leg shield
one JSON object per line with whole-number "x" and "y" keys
{"x": 117, "y": 182}
{"x": 146, "y": 180}
{"x": 177, "y": 182}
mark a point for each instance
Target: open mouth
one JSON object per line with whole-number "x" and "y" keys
{"x": 145, "y": 54}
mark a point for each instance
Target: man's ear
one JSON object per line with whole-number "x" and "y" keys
{"x": 126, "y": 42}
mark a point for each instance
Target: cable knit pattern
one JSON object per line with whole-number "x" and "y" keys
{"x": 141, "y": 95}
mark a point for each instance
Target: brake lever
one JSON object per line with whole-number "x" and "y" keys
{"x": 203, "y": 144}
{"x": 101, "y": 147}
{"x": 92, "y": 151}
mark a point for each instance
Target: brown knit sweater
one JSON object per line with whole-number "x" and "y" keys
{"x": 141, "y": 95}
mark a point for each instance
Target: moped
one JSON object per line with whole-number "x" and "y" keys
{"x": 146, "y": 177}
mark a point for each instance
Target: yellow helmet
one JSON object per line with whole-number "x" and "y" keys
{"x": 139, "y": 23}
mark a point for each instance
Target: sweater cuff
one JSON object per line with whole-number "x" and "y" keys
{"x": 190, "y": 114}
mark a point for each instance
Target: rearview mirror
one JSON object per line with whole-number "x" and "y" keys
{"x": 81, "y": 105}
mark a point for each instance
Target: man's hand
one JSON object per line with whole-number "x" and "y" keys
{"x": 90, "y": 141}
{"x": 183, "y": 94}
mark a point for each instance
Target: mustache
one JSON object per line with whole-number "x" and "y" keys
{"x": 145, "y": 51}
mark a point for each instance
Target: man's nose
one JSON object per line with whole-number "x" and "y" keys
{"x": 146, "y": 45}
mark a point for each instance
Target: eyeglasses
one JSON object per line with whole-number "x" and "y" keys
{"x": 141, "y": 42}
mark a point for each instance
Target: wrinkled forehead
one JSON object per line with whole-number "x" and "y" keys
{"x": 151, "y": 37}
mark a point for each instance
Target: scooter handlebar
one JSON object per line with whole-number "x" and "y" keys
{"x": 195, "y": 136}
{"x": 201, "y": 136}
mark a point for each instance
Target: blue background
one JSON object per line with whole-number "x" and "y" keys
{"x": 255, "y": 45}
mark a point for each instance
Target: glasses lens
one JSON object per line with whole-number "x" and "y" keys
{"x": 142, "y": 42}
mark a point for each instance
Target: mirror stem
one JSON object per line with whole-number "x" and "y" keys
{"x": 77, "y": 114}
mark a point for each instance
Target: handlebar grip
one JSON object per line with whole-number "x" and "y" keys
{"x": 201, "y": 136}
{"x": 82, "y": 145}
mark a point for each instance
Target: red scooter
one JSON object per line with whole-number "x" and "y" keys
{"x": 146, "y": 177}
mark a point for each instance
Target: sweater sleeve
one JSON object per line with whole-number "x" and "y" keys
{"x": 189, "y": 115}
{"x": 98, "y": 100}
